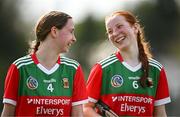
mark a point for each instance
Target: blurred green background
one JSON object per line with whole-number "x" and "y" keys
{"x": 160, "y": 19}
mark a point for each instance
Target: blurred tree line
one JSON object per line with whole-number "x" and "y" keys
{"x": 161, "y": 23}
{"x": 160, "y": 20}
{"x": 12, "y": 40}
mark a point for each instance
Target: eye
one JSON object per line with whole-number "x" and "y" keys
{"x": 119, "y": 26}
{"x": 72, "y": 31}
{"x": 109, "y": 32}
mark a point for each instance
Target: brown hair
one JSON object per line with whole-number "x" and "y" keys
{"x": 44, "y": 25}
{"x": 143, "y": 46}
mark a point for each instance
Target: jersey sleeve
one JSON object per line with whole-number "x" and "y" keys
{"x": 162, "y": 94}
{"x": 94, "y": 83}
{"x": 79, "y": 88}
{"x": 11, "y": 86}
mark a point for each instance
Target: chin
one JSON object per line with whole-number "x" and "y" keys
{"x": 67, "y": 50}
{"x": 64, "y": 51}
{"x": 123, "y": 48}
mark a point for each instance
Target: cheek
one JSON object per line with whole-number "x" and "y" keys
{"x": 63, "y": 38}
{"x": 67, "y": 36}
{"x": 111, "y": 38}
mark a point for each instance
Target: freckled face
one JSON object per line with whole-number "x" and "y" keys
{"x": 120, "y": 32}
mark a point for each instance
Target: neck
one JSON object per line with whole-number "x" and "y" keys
{"x": 131, "y": 55}
{"x": 46, "y": 55}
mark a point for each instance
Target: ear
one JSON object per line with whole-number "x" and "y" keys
{"x": 53, "y": 31}
{"x": 136, "y": 27}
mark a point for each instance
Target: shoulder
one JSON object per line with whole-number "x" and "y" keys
{"x": 155, "y": 63}
{"x": 25, "y": 60}
{"x": 69, "y": 62}
{"x": 108, "y": 60}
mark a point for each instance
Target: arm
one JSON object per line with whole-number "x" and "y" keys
{"x": 77, "y": 111}
{"x": 160, "y": 111}
{"x": 89, "y": 111}
{"x": 162, "y": 96}
{"x": 79, "y": 94}
{"x": 93, "y": 89}
{"x": 8, "y": 110}
{"x": 10, "y": 91}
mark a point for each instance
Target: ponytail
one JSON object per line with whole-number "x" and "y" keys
{"x": 34, "y": 45}
{"x": 144, "y": 54}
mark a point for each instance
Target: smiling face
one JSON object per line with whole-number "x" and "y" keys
{"x": 65, "y": 37}
{"x": 120, "y": 32}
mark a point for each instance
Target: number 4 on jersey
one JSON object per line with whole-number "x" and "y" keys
{"x": 50, "y": 87}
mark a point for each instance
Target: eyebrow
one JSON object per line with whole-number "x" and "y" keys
{"x": 118, "y": 24}
{"x": 108, "y": 29}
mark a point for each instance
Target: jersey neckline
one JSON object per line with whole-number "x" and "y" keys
{"x": 129, "y": 67}
{"x": 44, "y": 69}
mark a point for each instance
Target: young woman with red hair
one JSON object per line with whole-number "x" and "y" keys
{"x": 130, "y": 81}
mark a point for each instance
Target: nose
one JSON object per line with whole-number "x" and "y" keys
{"x": 115, "y": 32}
{"x": 74, "y": 39}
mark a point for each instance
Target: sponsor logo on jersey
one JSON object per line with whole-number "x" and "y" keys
{"x": 117, "y": 81}
{"x": 49, "y": 81}
{"x": 41, "y": 110}
{"x": 134, "y": 78}
{"x": 114, "y": 98}
{"x": 44, "y": 101}
{"x": 133, "y": 104}
{"x": 32, "y": 83}
{"x": 65, "y": 83}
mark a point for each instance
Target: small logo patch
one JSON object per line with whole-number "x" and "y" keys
{"x": 150, "y": 81}
{"x": 117, "y": 81}
{"x": 65, "y": 83}
{"x": 114, "y": 98}
{"x": 32, "y": 83}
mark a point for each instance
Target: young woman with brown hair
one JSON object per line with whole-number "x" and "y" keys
{"x": 44, "y": 83}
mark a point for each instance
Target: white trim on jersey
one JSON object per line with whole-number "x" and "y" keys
{"x": 20, "y": 65}
{"x": 69, "y": 64}
{"x": 103, "y": 66}
{"x": 162, "y": 101}
{"x": 133, "y": 69}
{"x": 52, "y": 70}
{"x": 23, "y": 61}
{"x": 155, "y": 62}
{"x": 80, "y": 102}
{"x": 155, "y": 66}
{"x": 25, "y": 57}
{"x": 92, "y": 100}
{"x": 9, "y": 101}
{"x": 107, "y": 60}
{"x": 69, "y": 60}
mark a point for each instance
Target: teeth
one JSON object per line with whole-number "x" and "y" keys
{"x": 120, "y": 39}
{"x": 69, "y": 44}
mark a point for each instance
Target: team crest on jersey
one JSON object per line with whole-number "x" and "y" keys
{"x": 65, "y": 83}
{"x": 32, "y": 83}
{"x": 117, "y": 81}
